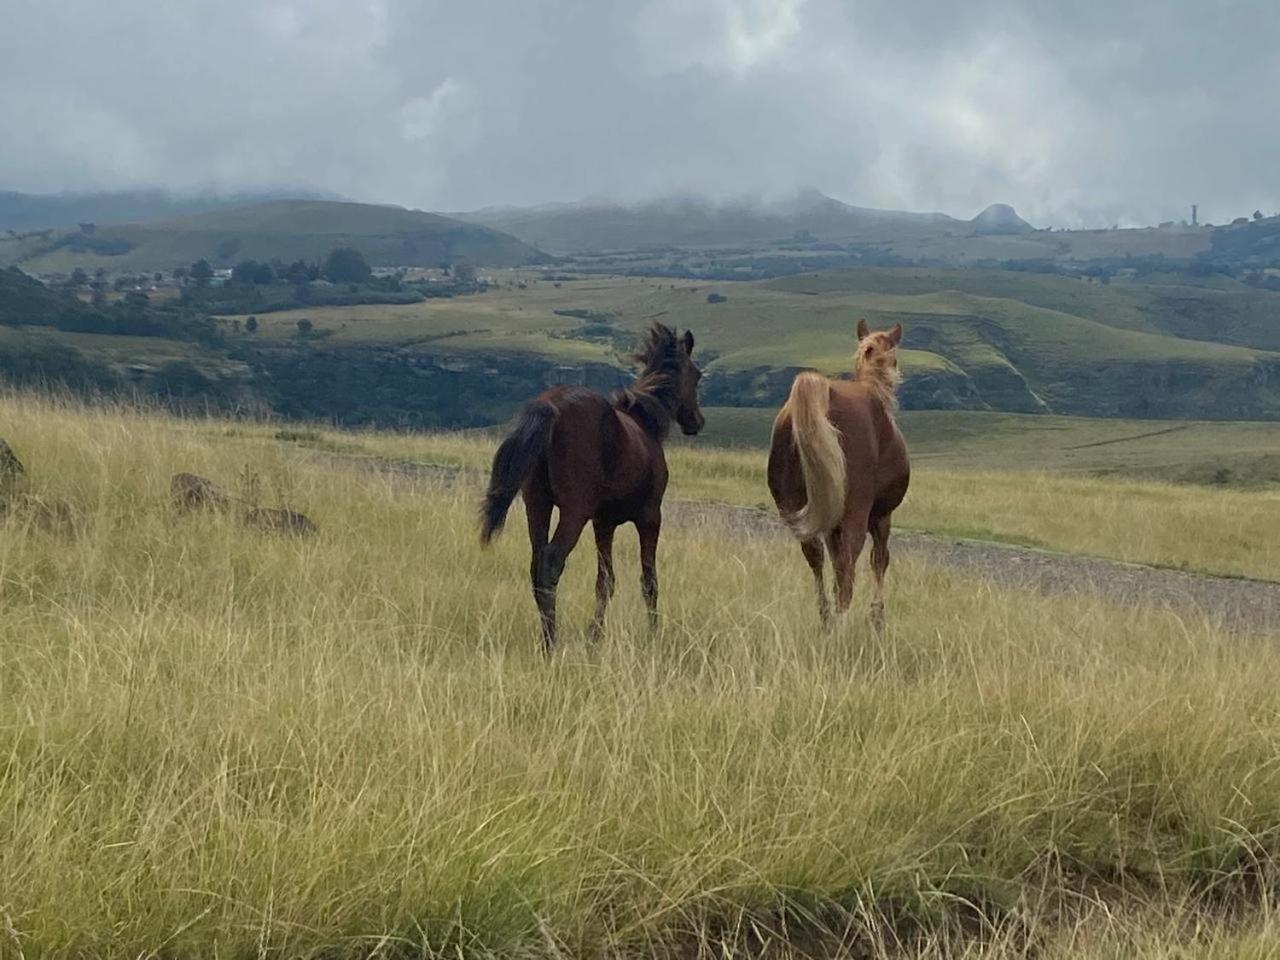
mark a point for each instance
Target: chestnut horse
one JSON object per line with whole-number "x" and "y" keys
{"x": 838, "y": 466}
{"x": 597, "y": 459}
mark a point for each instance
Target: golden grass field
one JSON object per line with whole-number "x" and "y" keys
{"x": 221, "y": 744}
{"x": 1231, "y": 532}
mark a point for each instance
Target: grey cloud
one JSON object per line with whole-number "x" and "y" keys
{"x": 1081, "y": 114}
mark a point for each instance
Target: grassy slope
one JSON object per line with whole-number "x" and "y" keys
{"x": 1011, "y": 488}
{"x": 1207, "y": 452}
{"x": 287, "y": 230}
{"x": 120, "y": 351}
{"x": 1028, "y": 343}
{"x": 469, "y": 325}
{"x": 1023, "y": 341}
{"x": 807, "y": 319}
{"x": 1215, "y": 308}
{"x": 219, "y": 744}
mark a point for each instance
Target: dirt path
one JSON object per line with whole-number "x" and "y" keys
{"x": 1233, "y": 602}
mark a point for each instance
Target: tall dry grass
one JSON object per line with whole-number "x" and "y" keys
{"x": 214, "y": 743}
{"x": 1211, "y": 530}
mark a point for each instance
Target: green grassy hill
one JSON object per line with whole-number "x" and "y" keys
{"x": 280, "y": 229}
{"x": 1157, "y": 347}
{"x": 975, "y": 340}
{"x": 1207, "y": 452}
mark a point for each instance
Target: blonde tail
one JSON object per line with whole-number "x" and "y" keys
{"x": 817, "y": 443}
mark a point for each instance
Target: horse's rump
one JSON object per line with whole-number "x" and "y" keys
{"x": 514, "y": 463}
{"x": 816, "y": 445}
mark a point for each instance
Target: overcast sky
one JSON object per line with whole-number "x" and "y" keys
{"x": 1086, "y": 113}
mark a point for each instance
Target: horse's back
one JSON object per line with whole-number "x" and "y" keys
{"x": 877, "y": 465}
{"x": 582, "y": 436}
{"x": 595, "y": 453}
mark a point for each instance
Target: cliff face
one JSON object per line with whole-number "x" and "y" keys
{"x": 378, "y": 385}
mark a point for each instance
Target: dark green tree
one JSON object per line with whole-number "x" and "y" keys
{"x": 300, "y": 272}
{"x": 252, "y": 272}
{"x": 305, "y": 327}
{"x": 346, "y": 265}
{"x": 201, "y": 272}
{"x": 251, "y": 325}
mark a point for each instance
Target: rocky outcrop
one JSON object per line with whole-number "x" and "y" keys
{"x": 280, "y": 520}
{"x": 33, "y": 509}
{"x": 192, "y": 492}
{"x": 11, "y": 469}
{"x": 410, "y": 387}
{"x": 1000, "y": 218}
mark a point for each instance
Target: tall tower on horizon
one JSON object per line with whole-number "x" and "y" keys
{"x": 1194, "y": 208}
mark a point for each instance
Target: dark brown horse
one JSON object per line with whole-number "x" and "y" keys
{"x": 838, "y": 466}
{"x": 598, "y": 459}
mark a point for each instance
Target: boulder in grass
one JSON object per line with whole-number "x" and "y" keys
{"x": 11, "y": 468}
{"x": 192, "y": 492}
{"x": 46, "y": 513}
{"x": 280, "y": 520}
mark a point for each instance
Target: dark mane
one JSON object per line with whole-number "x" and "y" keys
{"x": 653, "y": 398}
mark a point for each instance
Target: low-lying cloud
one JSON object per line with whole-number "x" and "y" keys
{"x": 1085, "y": 114}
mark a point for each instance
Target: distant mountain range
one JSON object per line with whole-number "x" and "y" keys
{"x": 803, "y": 232}
{"x": 277, "y": 229}
{"x": 691, "y": 222}
{"x": 22, "y": 212}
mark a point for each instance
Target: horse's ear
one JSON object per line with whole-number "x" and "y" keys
{"x": 688, "y": 342}
{"x": 863, "y": 330}
{"x": 895, "y": 335}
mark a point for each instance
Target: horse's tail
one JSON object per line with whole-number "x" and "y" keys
{"x": 817, "y": 443}
{"x": 514, "y": 463}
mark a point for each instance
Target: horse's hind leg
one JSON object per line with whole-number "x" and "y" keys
{"x": 649, "y": 529}
{"x": 604, "y": 574}
{"x": 551, "y": 566}
{"x": 879, "y": 566}
{"x": 813, "y": 555}
{"x": 845, "y": 544}
{"x": 537, "y": 510}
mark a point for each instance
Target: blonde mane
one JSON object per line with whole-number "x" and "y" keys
{"x": 875, "y": 364}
